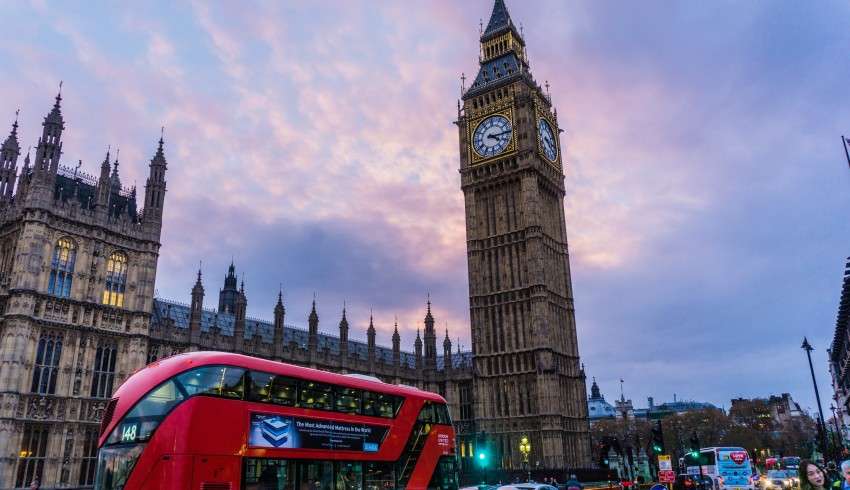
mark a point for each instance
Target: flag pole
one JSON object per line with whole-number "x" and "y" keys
{"x": 846, "y": 153}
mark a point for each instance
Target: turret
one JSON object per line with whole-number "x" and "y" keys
{"x": 228, "y": 294}
{"x": 114, "y": 180}
{"x": 396, "y": 346}
{"x": 447, "y": 352}
{"x": 370, "y": 343}
{"x": 313, "y": 329}
{"x": 104, "y": 186}
{"x": 595, "y": 394}
{"x": 239, "y": 319}
{"x": 417, "y": 345}
{"x": 155, "y": 189}
{"x": 343, "y": 338}
{"x": 9, "y": 153}
{"x": 24, "y": 180}
{"x": 196, "y": 311}
{"x": 279, "y": 314}
{"x": 430, "y": 339}
{"x": 50, "y": 146}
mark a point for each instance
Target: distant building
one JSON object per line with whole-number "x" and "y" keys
{"x": 675, "y": 407}
{"x": 839, "y": 357}
{"x": 597, "y": 407}
{"x": 774, "y": 411}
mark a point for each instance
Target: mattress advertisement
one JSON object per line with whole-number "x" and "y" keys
{"x": 287, "y": 432}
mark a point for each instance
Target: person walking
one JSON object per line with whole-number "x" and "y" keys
{"x": 35, "y": 485}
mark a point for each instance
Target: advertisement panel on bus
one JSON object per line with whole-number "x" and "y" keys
{"x": 285, "y": 432}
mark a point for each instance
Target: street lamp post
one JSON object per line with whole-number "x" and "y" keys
{"x": 524, "y": 449}
{"x": 821, "y": 427}
{"x": 837, "y": 430}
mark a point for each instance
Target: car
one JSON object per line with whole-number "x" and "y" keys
{"x": 480, "y": 487}
{"x": 693, "y": 482}
{"x": 780, "y": 480}
{"x": 527, "y": 486}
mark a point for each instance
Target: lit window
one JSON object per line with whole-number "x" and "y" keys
{"x": 62, "y": 268}
{"x": 116, "y": 279}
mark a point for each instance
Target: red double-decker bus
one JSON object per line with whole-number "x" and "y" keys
{"x": 216, "y": 421}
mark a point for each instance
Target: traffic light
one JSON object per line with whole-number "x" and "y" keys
{"x": 694, "y": 442}
{"x": 657, "y": 442}
{"x": 482, "y": 451}
{"x": 482, "y": 457}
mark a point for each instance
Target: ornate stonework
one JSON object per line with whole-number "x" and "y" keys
{"x": 55, "y": 321}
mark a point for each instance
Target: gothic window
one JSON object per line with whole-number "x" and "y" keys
{"x": 32, "y": 454}
{"x": 153, "y": 353}
{"x": 89, "y": 461}
{"x": 104, "y": 371}
{"x": 62, "y": 268}
{"x": 46, "y": 364}
{"x": 465, "y": 399}
{"x": 116, "y": 279}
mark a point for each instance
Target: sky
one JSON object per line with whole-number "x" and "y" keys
{"x": 312, "y": 143}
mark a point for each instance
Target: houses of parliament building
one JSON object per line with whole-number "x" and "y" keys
{"x": 78, "y": 315}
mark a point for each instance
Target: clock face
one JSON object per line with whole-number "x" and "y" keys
{"x": 492, "y": 136}
{"x": 547, "y": 139}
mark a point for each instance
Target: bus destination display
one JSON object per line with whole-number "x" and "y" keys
{"x": 281, "y": 431}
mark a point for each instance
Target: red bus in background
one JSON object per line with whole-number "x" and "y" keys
{"x": 216, "y": 421}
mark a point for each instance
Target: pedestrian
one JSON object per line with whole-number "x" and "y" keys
{"x": 35, "y": 484}
{"x": 813, "y": 477}
{"x": 573, "y": 483}
{"x": 832, "y": 473}
{"x": 845, "y": 473}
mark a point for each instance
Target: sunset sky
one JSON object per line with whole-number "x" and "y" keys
{"x": 312, "y": 142}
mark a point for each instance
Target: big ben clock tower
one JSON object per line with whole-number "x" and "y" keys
{"x": 529, "y": 380}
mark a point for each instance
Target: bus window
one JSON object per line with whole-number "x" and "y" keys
{"x": 435, "y": 413}
{"x": 316, "y": 474}
{"x": 223, "y": 381}
{"x": 258, "y": 386}
{"x": 270, "y": 388}
{"x": 349, "y": 475}
{"x": 380, "y": 405}
{"x": 378, "y": 476}
{"x": 427, "y": 413}
{"x": 140, "y": 423}
{"x": 441, "y": 414}
{"x": 315, "y": 395}
{"x": 283, "y": 391}
{"x": 347, "y": 400}
{"x": 445, "y": 474}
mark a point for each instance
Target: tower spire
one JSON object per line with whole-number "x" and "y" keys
{"x": 502, "y": 57}
{"x": 500, "y": 21}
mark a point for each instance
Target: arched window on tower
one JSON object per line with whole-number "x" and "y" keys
{"x": 116, "y": 279}
{"x": 62, "y": 268}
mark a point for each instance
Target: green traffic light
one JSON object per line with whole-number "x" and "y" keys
{"x": 482, "y": 459}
